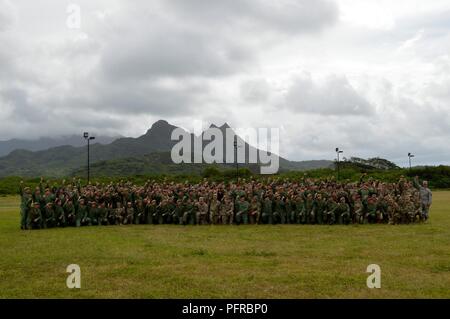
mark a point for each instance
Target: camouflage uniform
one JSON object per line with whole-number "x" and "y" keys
{"x": 267, "y": 216}
{"x": 255, "y": 211}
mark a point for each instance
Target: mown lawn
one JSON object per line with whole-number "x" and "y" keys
{"x": 285, "y": 261}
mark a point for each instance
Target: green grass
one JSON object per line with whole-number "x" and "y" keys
{"x": 285, "y": 261}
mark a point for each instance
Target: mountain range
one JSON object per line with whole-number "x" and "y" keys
{"x": 45, "y": 143}
{"x": 147, "y": 154}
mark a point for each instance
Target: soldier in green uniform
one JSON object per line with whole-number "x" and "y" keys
{"x": 342, "y": 212}
{"x": 297, "y": 209}
{"x": 189, "y": 212}
{"x": 111, "y": 214}
{"x": 83, "y": 214}
{"x": 48, "y": 217}
{"x": 319, "y": 207}
{"x": 93, "y": 214}
{"x": 70, "y": 213}
{"x": 151, "y": 211}
{"x": 307, "y": 214}
{"x": 331, "y": 207}
{"x": 178, "y": 212}
{"x": 289, "y": 208}
{"x": 279, "y": 212}
{"x": 102, "y": 214}
{"x": 34, "y": 217}
{"x": 26, "y": 198}
{"x": 267, "y": 216}
{"x": 242, "y": 211}
{"x": 139, "y": 216}
{"x": 59, "y": 214}
{"x": 166, "y": 211}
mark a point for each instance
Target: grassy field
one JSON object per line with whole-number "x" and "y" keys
{"x": 285, "y": 261}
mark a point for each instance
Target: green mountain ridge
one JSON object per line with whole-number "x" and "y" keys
{"x": 124, "y": 154}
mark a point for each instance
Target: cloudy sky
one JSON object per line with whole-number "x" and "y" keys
{"x": 372, "y": 77}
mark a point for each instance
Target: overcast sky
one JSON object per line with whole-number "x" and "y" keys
{"x": 372, "y": 77}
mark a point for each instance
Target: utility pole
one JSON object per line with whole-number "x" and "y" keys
{"x": 338, "y": 151}
{"x": 88, "y": 139}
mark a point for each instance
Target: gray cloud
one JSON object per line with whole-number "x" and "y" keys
{"x": 6, "y": 15}
{"x": 170, "y": 51}
{"x": 334, "y": 97}
{"x": 292, "y": 16}
{"x": 229, "y": 61}
{"x": 255, "y": 91}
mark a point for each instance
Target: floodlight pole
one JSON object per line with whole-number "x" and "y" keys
{"x": 88, "y": 139}
{"x": 410, "y": 156}
{"x": 236, "y": 158}
{"x": 338, "y": 151}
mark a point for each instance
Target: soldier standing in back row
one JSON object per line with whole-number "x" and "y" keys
{"x": 426, "y": 197}
{"x": 26, "y": 199}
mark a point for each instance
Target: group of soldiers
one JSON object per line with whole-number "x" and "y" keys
{"x": 268, "y": 201}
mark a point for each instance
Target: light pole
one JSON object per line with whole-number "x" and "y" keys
{"x": 88, "y": 139}
{"x": 236, "y": 157}
{"x": 410, "y": 156}
{"x": 338, "y": 151}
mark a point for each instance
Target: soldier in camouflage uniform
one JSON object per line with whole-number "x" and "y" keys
{"x": 358, "y": 210}
{"x": 426, "y": 197}
{"x": 255, "y": 211}
{"x": 129, "y": 214}
{"x": 119, "y": 213}
{"x": 214, "y": 207}
{"x": 371, "y": 213}
{"x": 226, "y": 211}
{"x": 202, "y": 211}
